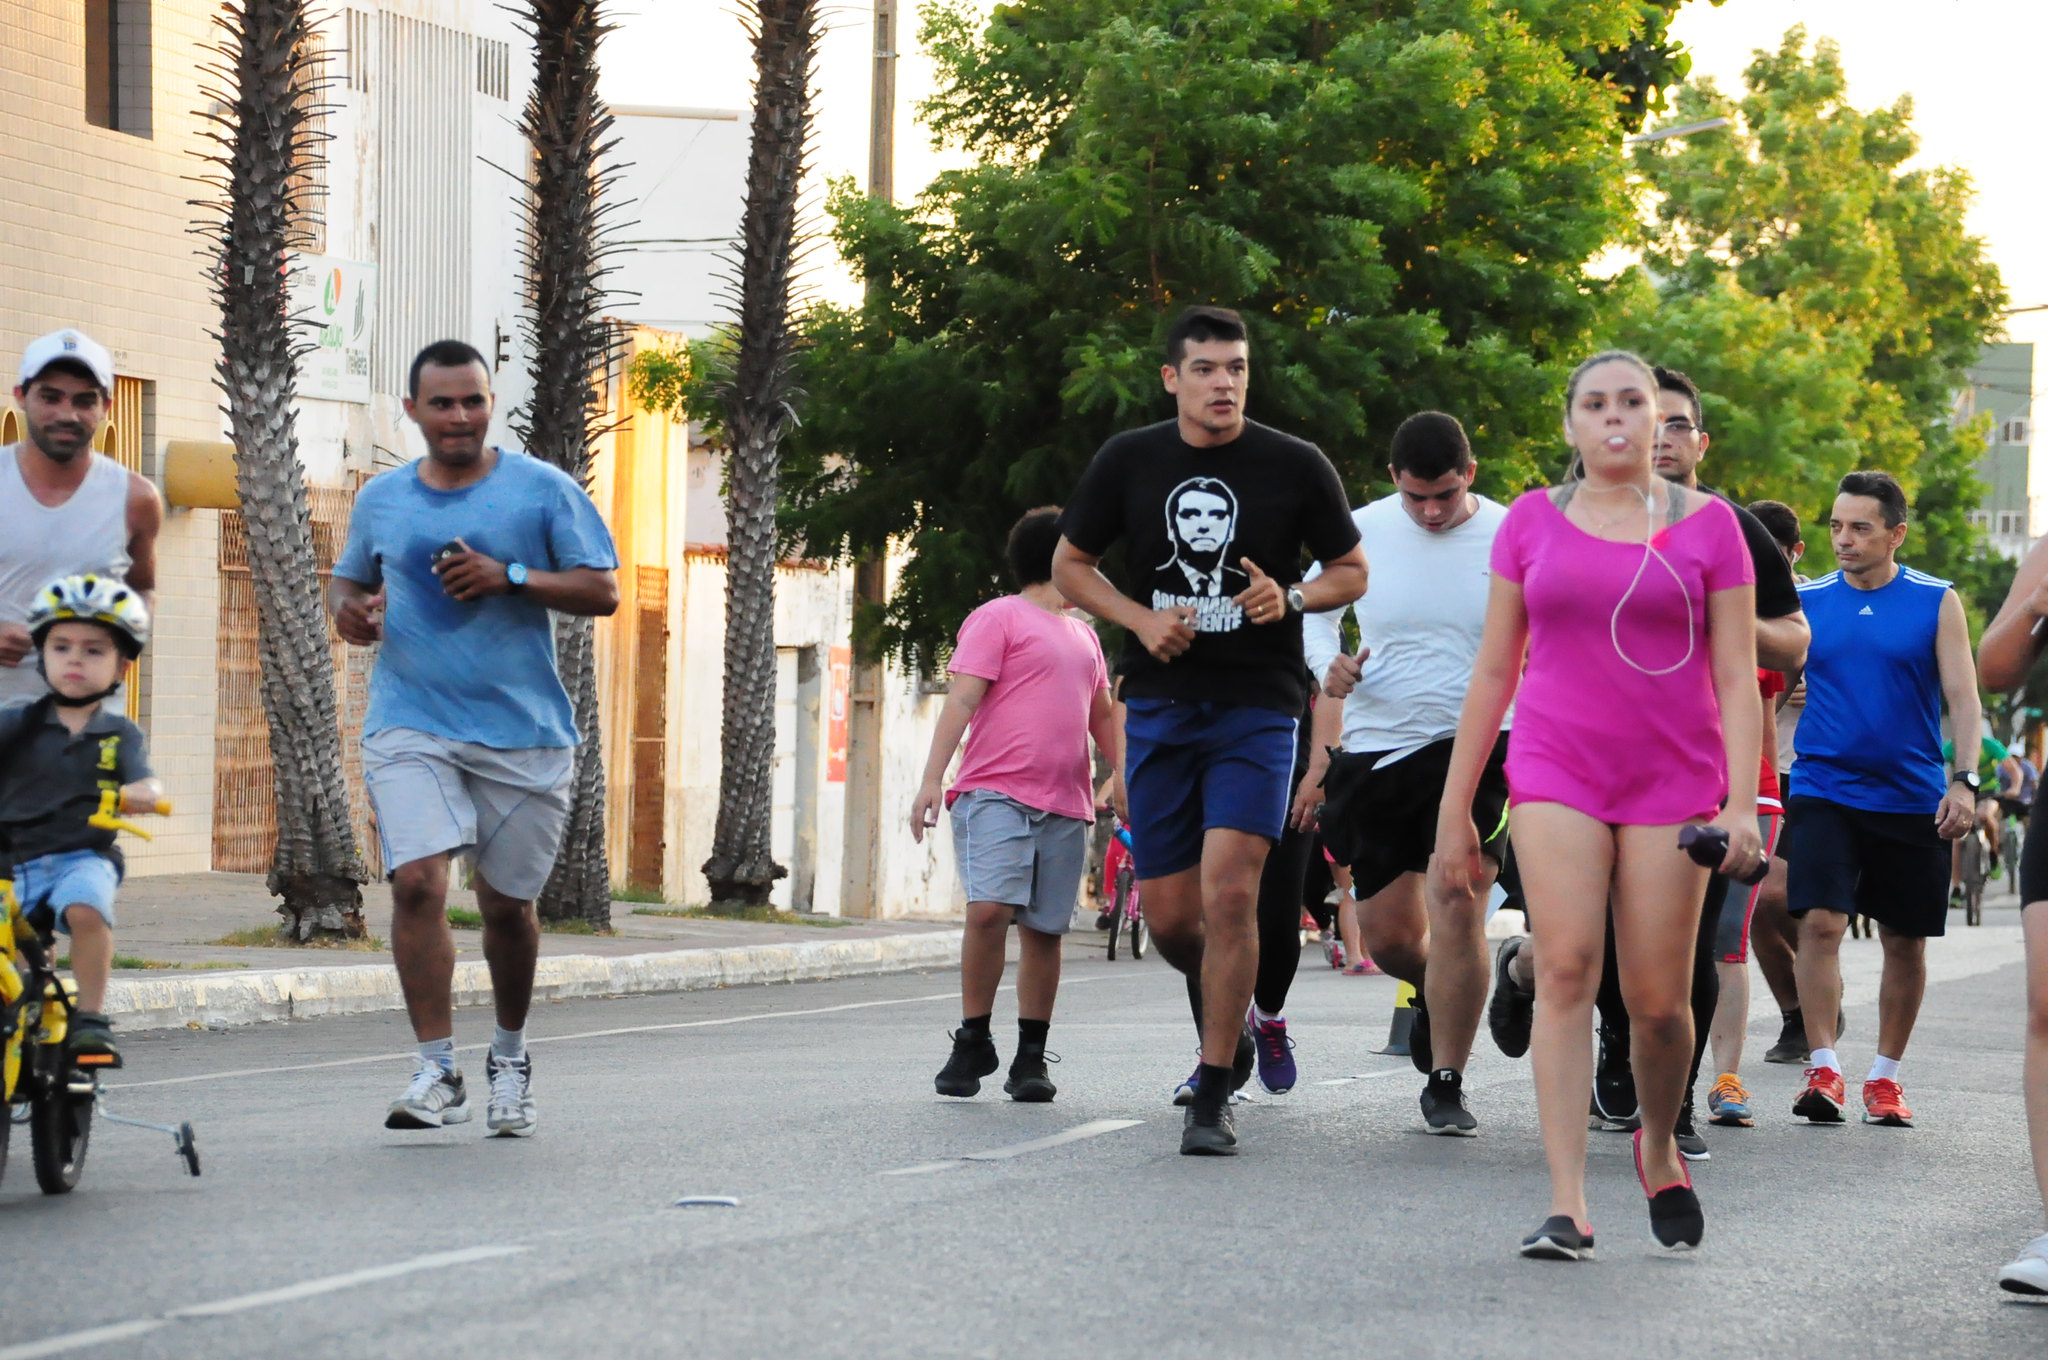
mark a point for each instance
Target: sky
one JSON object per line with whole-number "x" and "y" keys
{"x": 1966, "y": 63}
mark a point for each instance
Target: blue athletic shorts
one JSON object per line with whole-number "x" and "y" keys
{"x": 45, "y": 887}
{"x": 1193, "y": 766}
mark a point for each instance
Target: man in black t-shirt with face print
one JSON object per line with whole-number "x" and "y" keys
{"x": 1217, "y": 515}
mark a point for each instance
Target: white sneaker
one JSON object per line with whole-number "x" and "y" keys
{"x": 2028, "y": 1274}
{"x": 512, "y": 1113}
{"x": 435, "y": 1098}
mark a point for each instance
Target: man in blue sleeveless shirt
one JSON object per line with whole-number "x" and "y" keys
{"x": 1875, "y": 801}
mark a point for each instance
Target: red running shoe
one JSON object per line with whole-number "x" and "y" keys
{"x": 1885, "y": 1103}
{"x": 1822, "y": 1099}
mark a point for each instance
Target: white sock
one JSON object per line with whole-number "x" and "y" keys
{"x": 1883, "y": 1069}
{"x": 1825, "y": 1057}
{"x": 440, "y": 1051}
{"x": 509, "y": 1044}
{"x": 1261, "y": 1016}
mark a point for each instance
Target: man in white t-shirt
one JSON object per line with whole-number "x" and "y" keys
{"x": 1419, "y": 625}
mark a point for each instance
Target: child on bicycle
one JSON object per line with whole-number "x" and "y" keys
{"x": 60, "y": 756}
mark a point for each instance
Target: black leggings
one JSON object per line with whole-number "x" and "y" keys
{"x": 1280, "y": 918}
{"x": 1706, "y": 986}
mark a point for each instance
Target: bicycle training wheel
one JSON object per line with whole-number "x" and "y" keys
{"x": 60, "y": 1127}
{"x": 1140, "y": 933}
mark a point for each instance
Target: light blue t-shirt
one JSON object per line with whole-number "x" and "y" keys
{"x": 481, "y": 672}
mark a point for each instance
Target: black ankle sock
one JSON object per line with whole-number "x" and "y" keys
{"x": 1031, "y": 1033}
{"x": 976, "y": 1026}
{"x": 1212, "y": 1084}
{"x": 1447, "y": 1076}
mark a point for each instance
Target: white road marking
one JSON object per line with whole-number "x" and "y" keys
{"x": 566, "y": 1038}
{"x": 242, "y": 1303}
{"x": 94, "y": 1336}
{"x": 1094, "y": 1128}
{"x": 1365, "y": 1076}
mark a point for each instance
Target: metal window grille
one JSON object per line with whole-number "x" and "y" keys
{"x": 423, "y": 192}
{"x": 493, "y": 68}
{"x": 355, "y": 54}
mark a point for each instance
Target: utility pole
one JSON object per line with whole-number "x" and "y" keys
{"x": 858, "y": 895}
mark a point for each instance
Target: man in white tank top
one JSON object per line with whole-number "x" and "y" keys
{"x": 67, "y": 510}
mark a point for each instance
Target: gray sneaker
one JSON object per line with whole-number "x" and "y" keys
{"x": 511, "y": 1113}
{"x": 436, "y": 1098}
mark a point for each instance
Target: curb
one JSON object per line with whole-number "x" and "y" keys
{"x": 211, "y": 1000}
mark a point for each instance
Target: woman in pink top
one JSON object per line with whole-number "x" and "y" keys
{"x": 1631, "y": 599}
{"x": 1029, "y": 689}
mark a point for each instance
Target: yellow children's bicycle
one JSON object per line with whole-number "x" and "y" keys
{"x": 43, "y": 1084}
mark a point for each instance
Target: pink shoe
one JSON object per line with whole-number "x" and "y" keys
{"x": 1363, "y": 968}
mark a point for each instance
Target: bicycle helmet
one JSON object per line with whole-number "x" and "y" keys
{"x": 104, "y": 600}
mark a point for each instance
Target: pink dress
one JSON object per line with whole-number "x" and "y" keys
{"x": 1592, "y": 731}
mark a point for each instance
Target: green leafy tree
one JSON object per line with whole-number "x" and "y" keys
{"x": 1828, "y": 300}
{"x": 1401, "y": 198}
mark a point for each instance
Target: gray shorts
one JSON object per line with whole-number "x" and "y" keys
{"x": 505, "y": 809}
{"x": 1020, "y": 857}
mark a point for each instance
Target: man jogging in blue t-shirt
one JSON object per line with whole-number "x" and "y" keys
{"x": 1874, "y": 801}
{"x": 453, "y": 563}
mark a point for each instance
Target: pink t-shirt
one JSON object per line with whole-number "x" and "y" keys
{"x": 1029, "y": 738}
{"x": 1592, "y": 731}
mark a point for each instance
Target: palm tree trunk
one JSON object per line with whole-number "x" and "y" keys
{"x": 758, "y": 401}
{"x": 267, "y": 78}
{"x": 566, "y": 124}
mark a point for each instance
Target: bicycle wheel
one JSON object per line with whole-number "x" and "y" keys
{"x": 1140, "y": 933}
{"x": 1116, "y": 915}
{"x": 60, "y": 1127}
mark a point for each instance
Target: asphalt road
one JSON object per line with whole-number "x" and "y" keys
{"x": 866, "y": 1226}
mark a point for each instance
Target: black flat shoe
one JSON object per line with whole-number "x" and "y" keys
{"x": 1559, "y": 1239}
{"x": 1675, "y": 1217}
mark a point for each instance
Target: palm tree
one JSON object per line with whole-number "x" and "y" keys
{"x": 266, "y": 81}
{"x": 566, "y": 124}
{"x": 758, "y": 400}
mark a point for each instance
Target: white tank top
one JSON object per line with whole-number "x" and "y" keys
{"x": 39, "y": 543}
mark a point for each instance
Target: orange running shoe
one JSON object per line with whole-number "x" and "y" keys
{"x": 1885, "y": 1103}
{"x": 1822, "y": 1099}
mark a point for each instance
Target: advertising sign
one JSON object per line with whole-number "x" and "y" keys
{"x": 835, "y": 734}
{"x": 331, "y": 302}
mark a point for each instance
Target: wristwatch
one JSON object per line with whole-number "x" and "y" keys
{"x": 1969, "y": 778}
{"x": 1296, "y": 600}
{"x": 515, "y": 577}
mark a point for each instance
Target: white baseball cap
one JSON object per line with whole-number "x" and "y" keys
{"x": 74, "y": 346}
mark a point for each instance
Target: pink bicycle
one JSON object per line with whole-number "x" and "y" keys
{"x": 1120, "y": 887}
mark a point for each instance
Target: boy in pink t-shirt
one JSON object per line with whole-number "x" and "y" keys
{"x": 1029, "y": 689}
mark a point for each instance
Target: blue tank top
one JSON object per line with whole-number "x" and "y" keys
{"x": 1870, "y": 737}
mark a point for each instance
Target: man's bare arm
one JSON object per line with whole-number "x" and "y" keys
{"x": 145, "y": 522}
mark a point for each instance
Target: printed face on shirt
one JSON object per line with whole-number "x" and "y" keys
{"x": 1201, "y": 522}
{"x": 1863, "y": 541}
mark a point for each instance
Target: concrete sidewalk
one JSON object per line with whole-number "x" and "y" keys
{"x": 180, "y": 925}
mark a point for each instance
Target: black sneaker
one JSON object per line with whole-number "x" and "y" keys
{"x": 1419, "y": 1051}
{"x": 1510, "y": 1011}
{"x": 1208, "y": 1131}
{"x": 973, "y": 1058}
{"x": 1244, "y": 1060}
{"x": 1029, "y": 1082}
{"x": 1559, "y": 1239}
{"x": 1691, "y": 1146}
{"x": 90, "y": 1040}
{"x": 1614, "y": 1091}
{"x": 1443, "y": 1105}
{"x": 1791, "y": 1046}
